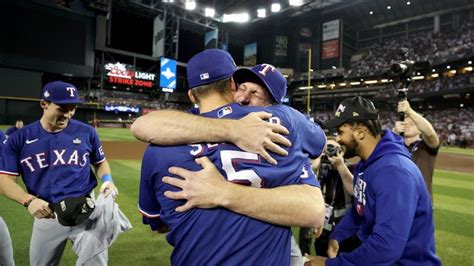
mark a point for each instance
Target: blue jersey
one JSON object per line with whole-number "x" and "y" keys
{"x": 54, "y": 166}
{"x": 219, "y": 236}
{"x": 11, "y": 130}
{"x": 2, "y": 155}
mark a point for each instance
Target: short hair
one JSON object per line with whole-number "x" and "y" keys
{"x": 206, "y": 89}
{"x": 373, "y": 125}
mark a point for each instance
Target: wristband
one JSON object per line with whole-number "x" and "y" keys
{"x": 28, "y": 201}
{"x": 106, "y": 177}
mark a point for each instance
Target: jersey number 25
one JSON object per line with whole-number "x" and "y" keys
{"x": 246, "y": 177}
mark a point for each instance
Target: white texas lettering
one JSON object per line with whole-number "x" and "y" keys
{"x": 40, "y": 159}
{"x": 59, "y": 157}
{"x": 74, "y": 158}
{"x": 27, "y": 162}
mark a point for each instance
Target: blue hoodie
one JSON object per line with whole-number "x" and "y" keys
{"x": 392, "y": 213}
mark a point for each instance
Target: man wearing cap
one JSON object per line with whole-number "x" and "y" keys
{"x": 391, "y": 214}
{"x": 53, "y": 156}
{"x": 218, "y": 235}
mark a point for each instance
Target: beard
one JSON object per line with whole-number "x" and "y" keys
{"x": 350, "y": 149}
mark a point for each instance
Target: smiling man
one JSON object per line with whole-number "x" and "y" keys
{"x": 391, "y": 214}
{"x": 53, "y": 156}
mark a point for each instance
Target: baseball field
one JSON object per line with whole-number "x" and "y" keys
{"x": 453, "y": 190}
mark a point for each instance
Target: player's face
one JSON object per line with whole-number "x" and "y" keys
{"x": 410, "y": 129}
{"x": 345, "y": 137}
{"x": 58, "y": 116}
{"x": 249, "y": 93}
{"x": 19, "y": 124}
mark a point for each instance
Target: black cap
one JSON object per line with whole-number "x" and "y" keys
{"x": 353, "y": 109}
{"x": 73, "y": 211}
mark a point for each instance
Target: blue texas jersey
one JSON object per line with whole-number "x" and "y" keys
{"x": 219, "y": 236}
{"x": 54, "y": 166}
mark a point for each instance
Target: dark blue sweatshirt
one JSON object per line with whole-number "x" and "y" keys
{"x": 392, "y": 213}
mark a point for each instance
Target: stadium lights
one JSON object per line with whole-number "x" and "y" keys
{"x": 209, "y": 12}
{"x": 389, "y": 7}
{"x": 168, "y": 1}
{"x": 384, "y": 80}
{"x": 468, "y": 69}
{"x": 322, "y": 86}
{"x": 261, "y": 12}
{"x": 417, "y": 77}
{"x": 276, "y": 7}
{"x": 296, "y": 2}
{"x": 305, "y": 88}
{"x": 190, "y": 5}
{"x": 448, "y": 67}
{"x": 452, "y": 71}
{"x": 433, "y": 70}
{"x": 408, "y": 3}
{"x": 238, "y": 17}
{"x": 371, "y": 12}
{"x": 469, "y": 62}
{"x": 333, "y": 67}
{"x": 355, "y": 83}
{"x": 371, "y": 82}
{"x": 342, "y": 84}
{"x": 435, "y": 75}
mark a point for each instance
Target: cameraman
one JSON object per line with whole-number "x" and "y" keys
{"x": 421, "y": 140}
{"x": 337, "y": 186}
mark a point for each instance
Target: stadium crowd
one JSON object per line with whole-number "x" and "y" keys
{"x": 426, "y": 46}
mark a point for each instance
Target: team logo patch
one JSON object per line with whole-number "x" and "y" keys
{"x": 204, "y": 76}
{"x": 76, "y": 141}
{"x": 46, "y": 94}
{"x": 224, "y": 111}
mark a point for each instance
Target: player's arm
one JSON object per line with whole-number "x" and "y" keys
{"x": 346, "y": 176}
{"x": 427, "y": 131}
{"x": 251, "y": 133}
{"x": 294, "y": 205}
{"x": 103, "y": 171}
{"x": 36, "y": 207}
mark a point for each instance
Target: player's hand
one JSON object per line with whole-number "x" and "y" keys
{"x": 201, "y": 189}
{"x": 336, "y": 161}
{"x": 404, "y": 107}
{"x": 333, "y": 248}
{"x": 317, "y": 232}
{"x": 314, "y": 260}
{"x": 40, "y": 209}
{"x": 254, "y": 135}
{"x": 109, "y": 188}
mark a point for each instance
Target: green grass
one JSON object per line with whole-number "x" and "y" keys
{"x": 454, "y": 222}
{"x": 456, "y": 150}
{"x": 115, "y": 134}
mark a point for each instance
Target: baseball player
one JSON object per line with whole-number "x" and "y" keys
{"x": 53, "y": 156}
{"x": 220, "y": 236}
{"x": 11, "y": 130}
{"x": 6, "y": 249}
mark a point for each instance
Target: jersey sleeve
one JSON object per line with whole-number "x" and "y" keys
{"x": 11, "y": 155}
{"x": 308, "y": 177}
{"x": 148, "y": 204}
{"x": 97, "y": 152}
{"x": 312, "y": 136}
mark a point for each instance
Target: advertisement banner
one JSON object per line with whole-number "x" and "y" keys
{"x": 210, "y": 39}
{"x": 330, "y": 49}
{"x": 250, "y": 54}
{"x": 281, "y": 45}
{"x": 158, "y": 37}
{"x": 167, "y": 74}
{"x": 331, "y": 30}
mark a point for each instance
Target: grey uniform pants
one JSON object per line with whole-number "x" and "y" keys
{"x": 48, "y": 240}
{"x": 6, "y": 249}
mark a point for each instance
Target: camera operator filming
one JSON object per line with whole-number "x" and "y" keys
{"x": 337, "y": 186}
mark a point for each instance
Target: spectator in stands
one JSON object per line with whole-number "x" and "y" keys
{"x": 11, "y": 130}
{"x": 421, "y": 140}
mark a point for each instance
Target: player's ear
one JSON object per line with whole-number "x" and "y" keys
{"x": 191, "y": 96}
{"x": 44, "y": 104}
{"x": 233, "y": 85}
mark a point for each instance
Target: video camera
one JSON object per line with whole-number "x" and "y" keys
{"x": 330, "y": 151}
{"x": 405, "y": 68}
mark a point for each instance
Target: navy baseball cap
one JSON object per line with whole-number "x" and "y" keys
{"x": 266, "y": 75}
{"x": 209, "y": 66}
{"x": 60, "y": 92}
{"x": 353, "y": 109}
